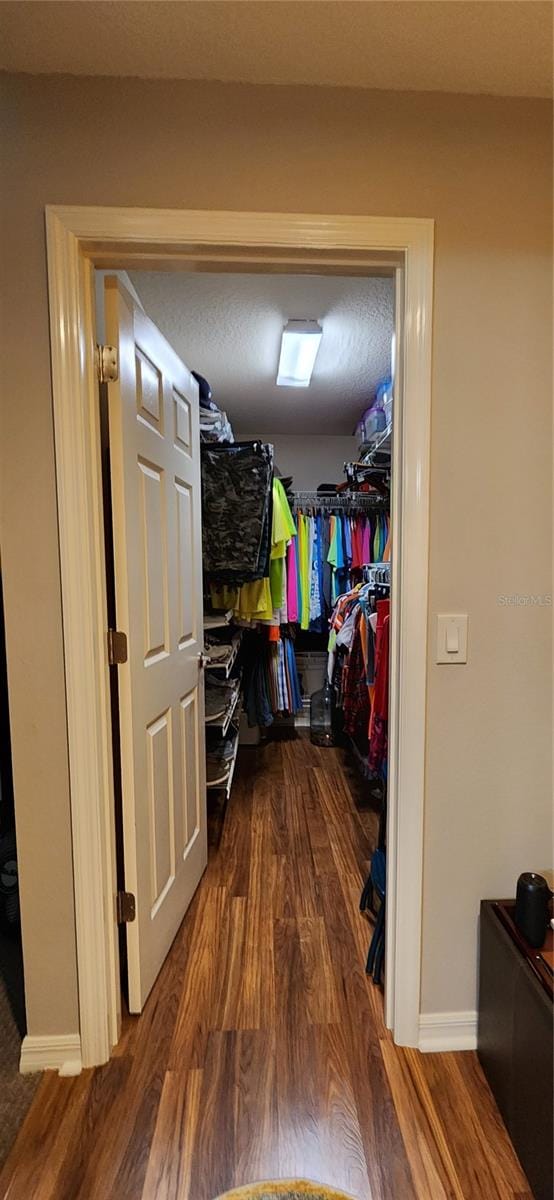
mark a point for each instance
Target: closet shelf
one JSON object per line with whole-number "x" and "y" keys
{"x": 225, "y": 784}
{"x": 225, "y": 664}
{"x": 380, "y": 441}
{"x": 217, "y": 620}
{"x": 232, "y": 771}
{"x": 222, "y": 723}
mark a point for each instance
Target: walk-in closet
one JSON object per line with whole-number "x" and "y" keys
{"x": 295, "y": 377}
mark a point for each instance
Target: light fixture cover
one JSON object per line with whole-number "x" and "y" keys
{"x": 299, "y": 346}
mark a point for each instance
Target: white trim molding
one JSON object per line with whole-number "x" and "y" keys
{"x": 51, "y": 1052}
{"x": 80, "y": 520}
{"x": 78, "y": 239}
{"x": 447, "y": 1031}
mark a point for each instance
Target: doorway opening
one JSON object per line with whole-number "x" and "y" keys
{"x": 294, "y": 647}
{"x": 80, "y": 240}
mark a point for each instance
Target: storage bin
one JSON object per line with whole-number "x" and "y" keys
{"x": 312, "y": 667}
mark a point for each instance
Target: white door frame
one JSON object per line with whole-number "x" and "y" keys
{"x": 77, "y": 240}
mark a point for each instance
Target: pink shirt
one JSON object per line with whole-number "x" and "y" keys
{"x": 366, "y": 544}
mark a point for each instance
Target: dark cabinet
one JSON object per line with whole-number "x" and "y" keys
{"x": 515, "y": 1039}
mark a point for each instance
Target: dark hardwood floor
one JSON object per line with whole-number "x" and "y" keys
{"x": 262, "y": 1050}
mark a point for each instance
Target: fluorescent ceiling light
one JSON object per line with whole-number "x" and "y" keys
{"x": 299, "y": 347}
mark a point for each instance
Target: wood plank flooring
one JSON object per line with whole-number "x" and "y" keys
{"x": 262, "y": 1050}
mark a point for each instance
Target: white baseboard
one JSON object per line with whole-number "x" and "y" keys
{"x": 51, "y": 1052}
{"x": 448, "y": 1031}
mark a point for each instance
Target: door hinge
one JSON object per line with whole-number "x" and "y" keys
{"x": 107, "y": 365}
{"x": 117, "y": 647}
{"x": 126, "y": 908}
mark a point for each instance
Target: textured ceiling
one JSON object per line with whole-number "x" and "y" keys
{"x": 502, "y": 47}
{"x": 228, "y": 327}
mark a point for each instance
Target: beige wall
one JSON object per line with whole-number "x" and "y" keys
{"x": 482, "y": 168}
{"x": 311, "y": 460}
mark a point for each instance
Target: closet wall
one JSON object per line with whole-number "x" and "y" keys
{"x": 482, "y": 167}
{"x": 310, "y": 460}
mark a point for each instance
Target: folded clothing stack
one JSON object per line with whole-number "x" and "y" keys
{"x": 215, "y": 426}
{"x": 237, "y": 511}
{"x": 219, "y": 760}
{"x": 220, "y": 697}
{"x": 221, "y": 648}
{"x": 271, "y": 684}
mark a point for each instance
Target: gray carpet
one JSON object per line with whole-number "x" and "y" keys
{"x": 16, "y": 1091}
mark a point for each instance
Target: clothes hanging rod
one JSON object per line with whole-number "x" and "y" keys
{"x": 366, "y": 468}
{"x": 358, "y": 500}
{"x": 377, "y": 573}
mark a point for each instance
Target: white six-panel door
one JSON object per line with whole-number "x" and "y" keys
{"x": 155, "y": 481}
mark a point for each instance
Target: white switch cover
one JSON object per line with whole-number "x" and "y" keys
{"x": 452, "y": 638}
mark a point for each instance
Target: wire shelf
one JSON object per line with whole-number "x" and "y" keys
{"x": 361, "y": 501}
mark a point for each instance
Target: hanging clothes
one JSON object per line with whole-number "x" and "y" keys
{"x": 356, "y": 704}
{"x": 270, "y": 681}
{"x": 283, "y": 530}
{"x": 304, "y": 569}
{"x": 312, "y": 560}
{"x": 315, "y": 552}
{"x": 378, "y": 726}
{"x": 292, "y": 580}
{"x": 358, "y": 668}
{"x": 366, "y": 543}
{"x": 236, "y": 511}
{"x": 336, "y": 556}
{"x": 319, "y": 606}
{"x": 332, "y": 549}
{"x": 264, "y": 600}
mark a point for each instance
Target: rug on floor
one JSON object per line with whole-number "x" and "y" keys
{"x": 285, "y": 1189}
{"x": 16, "y": 1091}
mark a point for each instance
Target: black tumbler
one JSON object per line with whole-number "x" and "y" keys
{"x": 532, "y": 901}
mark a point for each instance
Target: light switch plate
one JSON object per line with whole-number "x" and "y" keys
{"x": 452, "y": 638}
